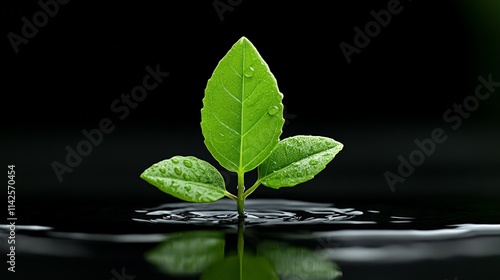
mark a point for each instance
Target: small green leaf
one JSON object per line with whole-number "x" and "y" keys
{"x": 242, "y": 114}
{"x": 188, "y": 178}
{"x": 297, "y": 159}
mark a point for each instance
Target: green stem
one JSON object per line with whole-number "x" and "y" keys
{"x": 231, "y": 196}
{"x": 251, "y": 189}
{"x": 241, "y": 243}
{"x": 241, "y": 195}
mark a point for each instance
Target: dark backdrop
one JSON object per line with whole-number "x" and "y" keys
{"x": 395, "y": 89}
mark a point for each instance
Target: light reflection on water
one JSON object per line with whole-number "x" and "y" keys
{"x": 406, "y": 246}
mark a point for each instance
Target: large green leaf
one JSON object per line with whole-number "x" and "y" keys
{"x": 242, "y": 114}
{"x": 297, "y": 159}
{"x": 188, "y": 178}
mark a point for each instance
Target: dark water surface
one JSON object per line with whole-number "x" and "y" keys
{"x": 279, "y": 239}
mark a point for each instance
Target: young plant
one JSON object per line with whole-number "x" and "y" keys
{"x": 241, "y": 121}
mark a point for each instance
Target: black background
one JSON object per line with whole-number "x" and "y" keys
{"x": 394, "y": 91}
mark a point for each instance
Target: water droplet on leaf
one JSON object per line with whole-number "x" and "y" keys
{"x": 186, "y": 177}
{"x": 249, "y": 72}
{"x": 162, "y": 170}
{"x": 188, "y": 163}
{"x": 273, "y": 110}
{"x": 178, "y": 171}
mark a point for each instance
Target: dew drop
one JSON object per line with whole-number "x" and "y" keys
{"x": 175, "y": 160}
{"x": 249, "y": 72}
{"x": 188, "y": 163}
{"x": 313, "y": 162}
{"x": 162, "y": 170}
{"x": 257, "y": 62}
{"x": 178, "y": 171}
{"x": 188, "y": 188}
{"x": 273, "y": 110}
{"x": 250, "y": 102}
{"x": 186, "y": 177}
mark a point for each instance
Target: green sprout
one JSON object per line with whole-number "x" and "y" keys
{"x": 242, "y": 121}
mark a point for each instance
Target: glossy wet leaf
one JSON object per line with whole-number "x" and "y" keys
{"x": 187, "y": 253}
{"x": 229, "y": 269}
{"x": 298, "y": 263}
{"x": 297, "y": 159}
{"x": 188, "y": 178}
{"x": 242, "y": 114}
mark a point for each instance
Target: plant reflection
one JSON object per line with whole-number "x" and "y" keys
{"x": 204, "y": 254}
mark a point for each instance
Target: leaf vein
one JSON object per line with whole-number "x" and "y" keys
{"x": 230, "y": 93}
{"x": 253, "y": 126}
{"x": 236, "y": 72}
{"x": 261, "y": 151}
{"x": 226, "y": 126}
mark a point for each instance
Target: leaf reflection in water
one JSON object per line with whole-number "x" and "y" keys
{"x": 203, "y": 253}
{"x": 188, "y": 253}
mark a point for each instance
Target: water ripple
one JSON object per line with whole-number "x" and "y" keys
{"x": 258, "y": 211}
